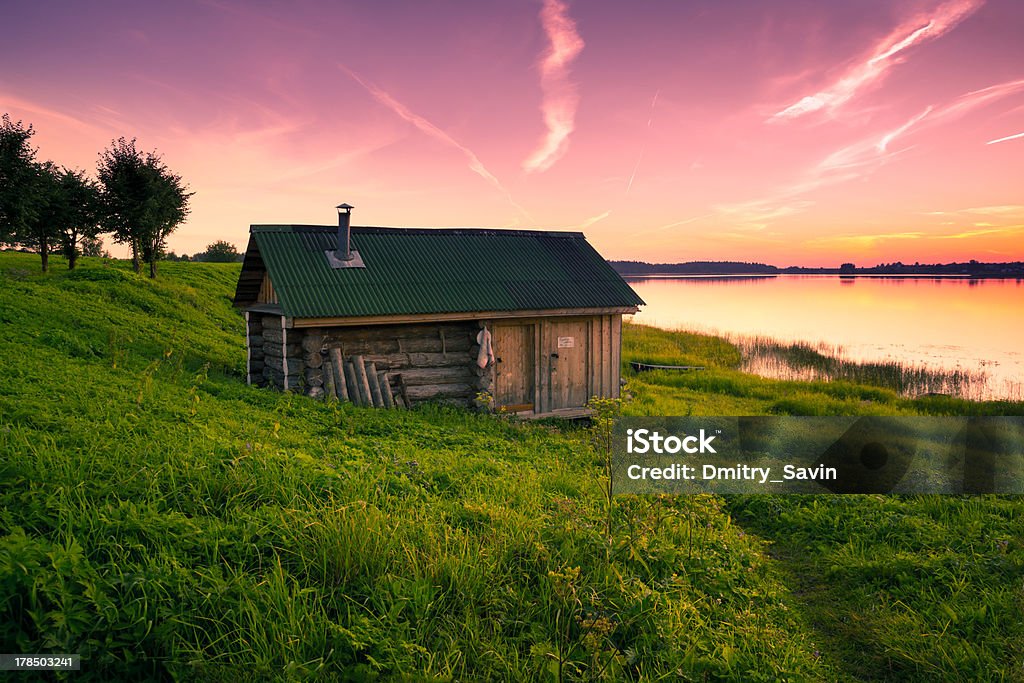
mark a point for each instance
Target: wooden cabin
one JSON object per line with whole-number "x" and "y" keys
{"x": 396, "y": 316}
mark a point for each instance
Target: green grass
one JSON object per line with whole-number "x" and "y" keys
{"x": 920, "y": 588}
{"x": 167, "y": 521}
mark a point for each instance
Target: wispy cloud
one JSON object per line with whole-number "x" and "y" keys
{"x": 868, "y": 241}
{"x": 636, "y": 167}
{"x": 994, "y": 210}
{"x": 846, "y": 163}
{"x": 593, "y": 219}
{"x": 977, "y": 98}
{"x": 685, "y": 221}
{"x": 864, "y": 157}
{"x": 984, "y": 231}
{"x": 959, "y": 107}
{"x": 869, "y": 152}
{"x": 317, "y": 168}
{"x": 883, "y": 144}
{"x": 643, "y": 148}
{"x": 15, "y": 104}
{"x": 760, "y": 213}
{"x": 885, "y": 54}
{"x": 559, "y": 93}
{"x": 1006, "y": 139}
{"x": 863, "y": 241}
{"x": 428, "y": 128}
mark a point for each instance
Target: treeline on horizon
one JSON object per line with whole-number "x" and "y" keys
{"x": 970, "y": 268}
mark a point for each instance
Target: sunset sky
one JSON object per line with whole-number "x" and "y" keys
{"x": 794, "y": 133}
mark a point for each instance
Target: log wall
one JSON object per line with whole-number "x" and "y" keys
{"x": 403, "y": 365}
{"x": 414, "y": 363}
{"x": 282, "y": 354}
{"x": 254, "y": 349}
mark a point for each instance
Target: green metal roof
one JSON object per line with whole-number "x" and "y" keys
{"x": 421, "y": 271}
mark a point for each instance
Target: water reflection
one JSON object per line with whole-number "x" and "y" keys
{"x": 969, "y": 325}
{"x": 703, "y": 279}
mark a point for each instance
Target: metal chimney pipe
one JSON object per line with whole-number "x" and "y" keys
{"x": 344, "y": 250}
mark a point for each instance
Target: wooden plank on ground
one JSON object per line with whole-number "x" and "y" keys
{"x": 404, "y": 391}
{"x": 385, "y": 389}
{"x": 364, "y": 383}
{"x": 371, "y": 375}
{"x": 329, "y": 388}
{"x": 339, "y": 374}
{"x": 353, "y": 383}
{"x": 641, "y": 367}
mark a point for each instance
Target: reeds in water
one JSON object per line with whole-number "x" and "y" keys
{"x": 827, "y": 362}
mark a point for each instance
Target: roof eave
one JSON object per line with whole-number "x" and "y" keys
{"x": 410, "y": 318}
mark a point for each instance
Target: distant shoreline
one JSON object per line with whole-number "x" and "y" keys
{"x": 968, "y": 269}
{"x": 902, "y": 276}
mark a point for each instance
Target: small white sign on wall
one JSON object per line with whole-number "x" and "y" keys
{"x": 566, "y": 342}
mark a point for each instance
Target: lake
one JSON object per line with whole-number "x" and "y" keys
{"x": 948, "y": 324}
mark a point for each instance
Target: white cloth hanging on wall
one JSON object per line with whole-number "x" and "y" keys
{"x": 486, "y": 355}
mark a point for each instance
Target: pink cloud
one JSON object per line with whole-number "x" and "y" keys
{"x": 560, "y": 97}
{"x": 11, "y": 102}
{"x": 1006, "y": 139}
{"x": 640, "y": 157}
{"x": 886, "y": 54}
{"x": 428, "y": 128}
{"x": 978, "y": 98}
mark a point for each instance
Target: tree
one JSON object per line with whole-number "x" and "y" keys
{"x": 17, "y": 158}
{"x": 27, "y": 188}
{"x": 76, "y": 212}
{"x": 92, "y": 246}
{"x": 32, "y": 218}
{"x": 143, "y": 201}
{"x": 43, "y": 230}
{"x": 219, "y": 252}
{"x": 64, "y": 209}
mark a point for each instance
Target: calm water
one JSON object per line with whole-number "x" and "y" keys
{"x": 940, "y": 323}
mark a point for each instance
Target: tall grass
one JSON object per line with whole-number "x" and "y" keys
{"x": 827, "y": 362}
{"x": 903, "y": 587}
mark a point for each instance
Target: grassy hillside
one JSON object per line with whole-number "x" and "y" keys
{"x": 166, "y": 521}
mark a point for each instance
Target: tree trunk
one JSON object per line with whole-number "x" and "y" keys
{"x": 44, "y": 253}
{"x": 73, "y": 250}
{"x": 136, "y": 263}
{"x": 152, "y": 255}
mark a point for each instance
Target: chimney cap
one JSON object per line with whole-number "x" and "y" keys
{"x": 345, "y": 207}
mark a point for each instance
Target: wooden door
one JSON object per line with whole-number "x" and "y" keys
{"x": 514, "y": 366}
{"x": 566, "y": 351}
